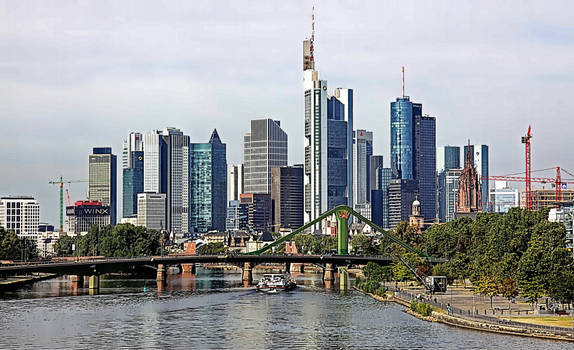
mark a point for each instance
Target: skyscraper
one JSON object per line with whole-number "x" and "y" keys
{"x": 133, "y": 143}
{"x": 375, "y": 163}
{"x": 413, "y": 151}
{"x": 133, "y": 182}
{"x": 287, "y": 197}
{"x": 208, "y": 177}
{"x": 448, "y": 157}
{"x": 20, "y": 214}
{"x": 235, "y": 182}
{"x": 166, "y": 170}
{"x": 362, "y": 152}
{"x": 479, "y": 159}
{"x": 102, "y": 186}
{"x": 380, "y": 197}
{"x": 151, "y": 210}
{"x": 264, "y": 148}
{"x": 328, "y": 170}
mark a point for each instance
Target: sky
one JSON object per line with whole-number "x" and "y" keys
{"x": 81, "y": 74}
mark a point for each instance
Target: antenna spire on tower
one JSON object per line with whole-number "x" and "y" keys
{"x": 403, "y": 88}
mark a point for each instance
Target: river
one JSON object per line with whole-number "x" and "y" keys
{"x": 211, "y": 310}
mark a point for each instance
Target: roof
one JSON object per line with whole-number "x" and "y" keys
{"x": 214, "y": 137}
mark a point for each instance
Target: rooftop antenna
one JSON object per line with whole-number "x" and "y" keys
{"x": 312, "y": 48}
{"x": 403, "y": 89}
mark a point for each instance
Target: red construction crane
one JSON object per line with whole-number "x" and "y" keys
{"x": 68, "y": 197}
{"x": 557, "y": 182}
{"x": 528, "y": 179}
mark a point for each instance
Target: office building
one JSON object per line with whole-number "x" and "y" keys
{"x": 362, "y": 152}
{"x": 402, "y": 193}
{"x": 264, "y": 148}
{"x": 208, "y": 178}
{"x": 237, "y": 216}
{"x": 102, "y": 185}
{"x": 480, "y": 161}
{"x": 413, "y": 152}
{"x": 259, "y": 213}
{"x": 380, "y": 197}
{"x": 166, "y": 170}
{"x": 235, "y": 182}
{"x": 134, "y": 143}
{"x": 502, "y": 198}
{"x": 375, "y": 163}
{"x": 287, "y": 197}
{"x": 133, "y": 183}
{"x": 20, "y": 214}
{"x": 328, "y": 170}
{"x": 84, "y": 215}
{"x": 451, "y": 193}
{"x": 565, "y": 215}
{"x": 152, "y": 210}
{"x": 448, "y": 157}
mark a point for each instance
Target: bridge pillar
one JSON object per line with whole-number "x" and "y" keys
{"x": 78, "y": 280}
{"x": 247, "y": 273}
{"x": 161, "y": 273}
{"x": 94, "y": 283}
{"x": 188, "y": 268}
{"x": 343, "y": 278}
{"x": 288, "y": 267}
{"x": 343, "y": 231}
{"x": 329, "y": 273}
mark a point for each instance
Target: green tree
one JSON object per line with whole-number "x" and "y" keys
{"x": 14, "y": 248}
{"x": 361, "y": 244}
{"x": 487, "y": 286}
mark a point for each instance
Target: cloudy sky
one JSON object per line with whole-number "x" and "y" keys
{"x": 79, "y": 74}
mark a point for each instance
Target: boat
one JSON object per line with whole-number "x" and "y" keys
{"x": 275, "y": 283}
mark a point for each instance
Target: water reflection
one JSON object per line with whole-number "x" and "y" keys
{"x": 212, "y": 309}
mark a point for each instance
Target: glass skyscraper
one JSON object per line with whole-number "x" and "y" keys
{"x": 362, "y": 152}
{"x": 448, "y": 158}
{"x": 132, "y": 183}
{"x": 413, "y": 154}
{"x": 208, "y": 185}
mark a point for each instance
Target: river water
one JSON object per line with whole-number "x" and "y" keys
{"x": 212, "y": 310}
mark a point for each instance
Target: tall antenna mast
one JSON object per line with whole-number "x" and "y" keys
{"x": 403, "y": 89}
{"x": 312, "y": 48}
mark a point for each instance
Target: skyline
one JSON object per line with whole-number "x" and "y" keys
{"x": 113, "y": 62}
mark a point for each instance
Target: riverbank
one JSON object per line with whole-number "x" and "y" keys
{"x": 441, "y": 316}
{"x": 19, "y": 281}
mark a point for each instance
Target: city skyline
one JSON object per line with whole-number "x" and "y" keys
{"x": 123, "y": 85}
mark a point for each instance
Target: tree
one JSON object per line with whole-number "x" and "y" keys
{"x": 487, "y": 286}
{"x": 361, "y": 244}
{"x": 14, "y": 248}
{"x": 508, "y": 289}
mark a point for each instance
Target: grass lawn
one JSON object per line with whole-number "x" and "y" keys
{"x": 558, "y": 321}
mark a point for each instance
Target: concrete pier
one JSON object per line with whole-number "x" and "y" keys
{"x": 287, "y": 267}
{"x": 247, "y": 273}
{"x": 188, "y": 268}
{"x": 343, "y": 278}
{"x": 94, "y": 283}
{"x": 329, "y": 273}
{"x": 161, "y": 273}
{"x": 78, "y": 280}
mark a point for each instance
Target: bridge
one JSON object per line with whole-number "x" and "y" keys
{"x": 96, "y": 267}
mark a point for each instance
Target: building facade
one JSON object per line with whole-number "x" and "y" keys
{"x": 208, "y": 178}
{"x": 259, "y": 214}
{"x": 375, "y": 163}
{"x": 287, "y": 197}
{"x": 402, "y": 193}
{"x": 451, "y": 193}
{"x": 102, "y": 185}
{"x": 20, "y": 214}
{"x": 152, "y": 211}
{"x": 235, "y": 182}
{"x": 546, "y": 198}
{"x": 166, "y": 170}
{"x": 502, "y": 198}
{"x": 362, "y": 152}
{"x": 237, "y": 216}
{"x": 448, "y": 157}
{"x": 133, "y": 143}
{"x": 133, "y": 183}
{"x": 565, "y": 215}
{"x": 264, "y": 148}
{"x": 84, "y": 215}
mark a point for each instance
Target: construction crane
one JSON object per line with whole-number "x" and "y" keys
{"x": 68, "y": 197}
{"x": 528, "y": 179}
{"x": 61, "y": 183}
{"x": 557, "y": 182}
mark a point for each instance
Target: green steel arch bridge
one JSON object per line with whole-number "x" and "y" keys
{"x": 97, "y": 266}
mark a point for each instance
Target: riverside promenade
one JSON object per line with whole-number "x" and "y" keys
{"x": 454, "y": 315}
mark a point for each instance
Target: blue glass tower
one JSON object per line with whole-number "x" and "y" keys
{"x": 208, "y": 185}
{"x": 133, "y": 183}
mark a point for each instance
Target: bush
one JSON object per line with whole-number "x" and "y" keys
{"x": 421, "y": 308}
{"x": 371, "y": 286}
{"x": 380, "y": 291}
